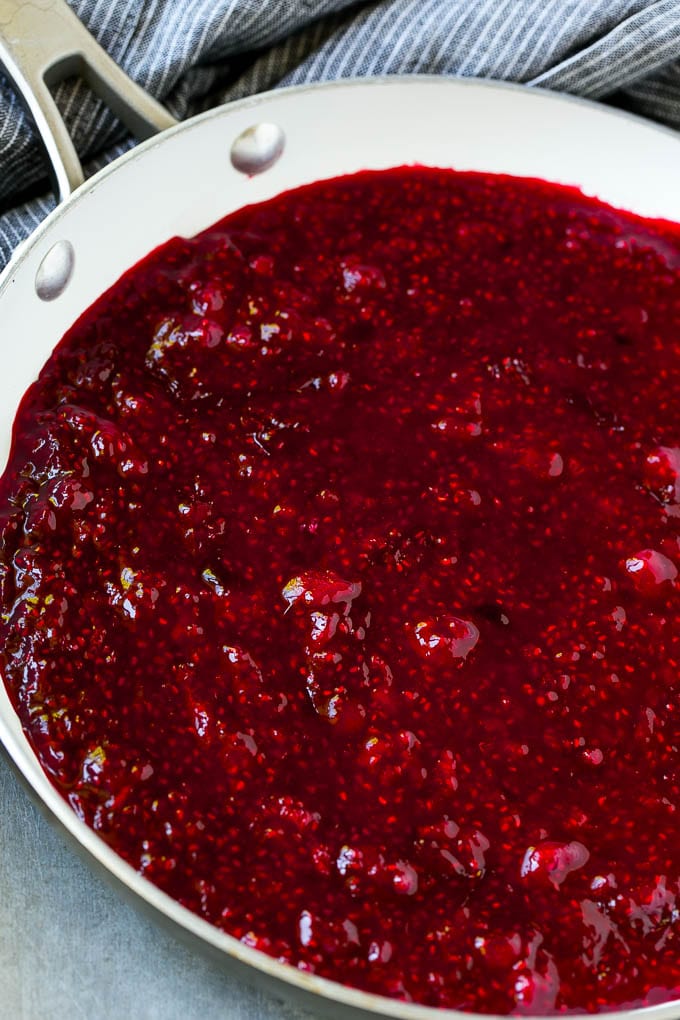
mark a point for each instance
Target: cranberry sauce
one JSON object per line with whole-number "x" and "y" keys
{"x": 340, "y": 586}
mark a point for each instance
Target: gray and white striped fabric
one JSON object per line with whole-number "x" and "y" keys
{"x": 193, "y": 54}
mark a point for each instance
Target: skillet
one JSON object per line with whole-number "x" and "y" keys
{"x": 190, "y": 175}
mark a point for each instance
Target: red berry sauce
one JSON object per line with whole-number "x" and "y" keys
{"x": 340, "y": 586}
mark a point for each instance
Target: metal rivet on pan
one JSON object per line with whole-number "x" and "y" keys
{"x": 257, "y": 148}
{"x": 55, "y": 271}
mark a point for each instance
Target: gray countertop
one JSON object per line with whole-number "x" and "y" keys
{"x": 71, "y": 948}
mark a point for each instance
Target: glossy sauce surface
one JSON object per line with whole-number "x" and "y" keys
{"x": 340, "y": 586}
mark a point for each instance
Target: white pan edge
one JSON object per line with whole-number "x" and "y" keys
{"x": 183, "y": 181}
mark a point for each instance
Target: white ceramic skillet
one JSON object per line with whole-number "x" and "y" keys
{"x": 181, "y": 181}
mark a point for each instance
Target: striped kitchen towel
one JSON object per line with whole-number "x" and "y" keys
{"x": 193, "y": 54}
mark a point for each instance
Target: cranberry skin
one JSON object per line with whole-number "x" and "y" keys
{"x": 105, "y": 440}
{"x": 662, "y": 473}
{"x": 404, "y": 878}
{"x": 363, "y": 868}
{"x": 393, "y": 759}
{"x": 182, "y": 355}
{"x": 551, "y": 862}
{"x": 449, "y": 850}
{"x": 537, "y": 991}
{"x": 55, "y": 503}
{"x": 328, "y": 937}
{"x": 651, "y": 572}
{"x": 292, "y": 812}
{"x": 501, "y": 952}
{"x": 207, "y": 297}
{"x": 443, "y": 638}
{"x": 323, "y": 628}
{"x": 346, "y": 715}
{"x": 366, "y": 870}
{"x": 320, "y": 589}
{"x": 445, "y": 776}
{"x": 241, "y": 674}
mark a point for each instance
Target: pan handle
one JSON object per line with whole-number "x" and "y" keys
{"x": 41, "y": 43}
